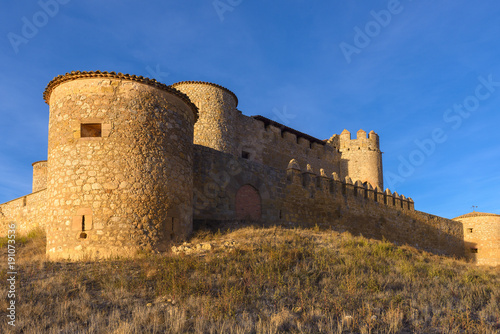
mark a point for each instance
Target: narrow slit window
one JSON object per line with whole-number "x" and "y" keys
{"x": 83, "y": 235}
{"x": 91, "y": 130}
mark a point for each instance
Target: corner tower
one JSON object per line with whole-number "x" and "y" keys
{"x": 216, "y": 127}
{"x": 361, "y": 158}
{"x": 120, "y": 161}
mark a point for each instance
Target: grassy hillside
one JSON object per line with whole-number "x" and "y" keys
{"x": 255, "y": 280}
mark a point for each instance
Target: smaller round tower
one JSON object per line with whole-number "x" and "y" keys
{"x": 481, "y": 237}
{"x": 39, "y": 175}
{"x": 216, "y": 127}
{"x": 361, "y": 158}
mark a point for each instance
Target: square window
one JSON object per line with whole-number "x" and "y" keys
{"x": 245, "y": 155}
{"x": 89, "y": 130}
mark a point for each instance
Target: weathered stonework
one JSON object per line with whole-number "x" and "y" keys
{"x": 39, "y": 175}
{"x": 27, "y": 212}
{"x": 129, "y": 188}
{"x": 131, "y": 167}
{"x": 294, "y": 197}
{"x": 217, "y": 125}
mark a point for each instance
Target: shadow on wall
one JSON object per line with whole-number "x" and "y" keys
{"x": 227, "y": 189}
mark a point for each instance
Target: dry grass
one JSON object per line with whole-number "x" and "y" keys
{"x": 272, "y": 281}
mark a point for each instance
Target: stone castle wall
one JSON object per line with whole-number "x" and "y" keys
{"x": 481, "y": 237}
{"x": 300, "y": 198}
{"x": 27, "y": 212}
{"x": 224, "y": 128}
{"x": 361, "y": 157}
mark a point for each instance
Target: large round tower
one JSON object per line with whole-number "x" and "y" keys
{"x": 481, "y": 237}
{"x": 119, "y": 165}
{"x": 361, "y": 158}
{"x": 216, "y": 127}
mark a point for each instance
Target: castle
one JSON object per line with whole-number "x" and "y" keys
{"x": 133, "y": 164}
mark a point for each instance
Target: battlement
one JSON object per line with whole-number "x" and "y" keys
{"x": 292, "y": 140}
{"x": 39, "y": 175}
{"x": 344, "y": 142}
{"x": 351, "y": 190}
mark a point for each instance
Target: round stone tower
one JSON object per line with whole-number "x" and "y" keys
{"x": 361, "y": 158}
{"x": 39, "y": 175}
{"x": 120, "y": 159}
{"x": 481, "y": 237}
{"x": 216, "y": 127}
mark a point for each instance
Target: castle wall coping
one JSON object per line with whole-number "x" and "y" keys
{"x": 75, "y": 75}
{"x": 209, "y": 84}
{"x": 37, "y": 162}
{"x": 476, "y": 214}
{"x": 285, "y": 128}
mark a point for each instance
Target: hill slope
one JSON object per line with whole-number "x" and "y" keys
{"x": 256, "y": 280}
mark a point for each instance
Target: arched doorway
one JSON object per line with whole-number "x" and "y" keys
{"x": 248, "y": 205}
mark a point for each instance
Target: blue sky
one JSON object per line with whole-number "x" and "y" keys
{"x": 422, "y": 74}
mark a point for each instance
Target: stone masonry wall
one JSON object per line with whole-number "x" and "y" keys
{"x": 294, "y": 198}
{"x": 275, "y": 148}
{"x": 219, "y": 176}
{"x": 27, "y": 212}
{"x": 360, "y": 158}
{"x": 354, "y": 208}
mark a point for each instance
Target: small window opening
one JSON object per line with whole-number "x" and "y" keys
{"x": 281, "y": 214}
{"x": 91, "y": 130}
{"x": 83, "y": 235}
{"x": 473, "y": 250}
{"x": 24, "y": 201}
{"x": 245, "y": 155}
{"x": 469, "y": 230}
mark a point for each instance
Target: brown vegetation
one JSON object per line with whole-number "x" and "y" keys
{"x": 255, "y": 280}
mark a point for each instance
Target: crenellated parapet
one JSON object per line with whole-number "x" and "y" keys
{"x": 361, "y": 142}
{"x": 347, "y": 188}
